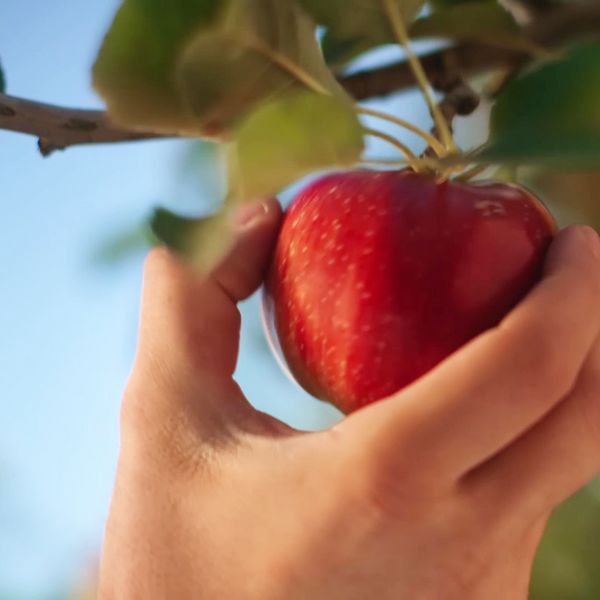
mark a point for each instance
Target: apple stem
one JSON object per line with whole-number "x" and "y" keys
{"x": 411, "y": 158}
{"x": 399, "y": 30}
{"x": 435, "y": 144}
{"x": 386, "y": 162}
{"x": 471, "y": 173}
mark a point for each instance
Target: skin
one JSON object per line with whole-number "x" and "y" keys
{"x": 441, "y": 491}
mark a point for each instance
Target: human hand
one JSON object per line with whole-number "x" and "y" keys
{"x": 441, "y": 491}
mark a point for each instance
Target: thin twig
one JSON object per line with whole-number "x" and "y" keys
{"x": 435, "y": 144}
{"x": 460, "y": 99}
{"x": 566, "y": 22}
{"x": 402, "y": 37}
{"x": 390, "y": 139}
{"x": 472, "y": 59}
{"x": 287, "y": 65}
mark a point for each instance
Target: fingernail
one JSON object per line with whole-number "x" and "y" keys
{"x": 249, "y": 215}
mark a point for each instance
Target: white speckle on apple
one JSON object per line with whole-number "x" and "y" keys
{"x": 490, "y": 208}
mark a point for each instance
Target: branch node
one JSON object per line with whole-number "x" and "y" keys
{"x": 46, "y": 147}
{"x": 75, "y": 124}
{"x": 7, "y": 111}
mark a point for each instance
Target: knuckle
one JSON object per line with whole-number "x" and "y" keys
{"x": 387, "y": 490}
{"x": 385, "y": 474}
{"x": 551, "y": 369}
{"x": 542, "y": 364}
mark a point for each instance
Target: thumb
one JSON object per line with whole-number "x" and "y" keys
{"x": 190, "y": 321}
{"x": 189, "y": 330}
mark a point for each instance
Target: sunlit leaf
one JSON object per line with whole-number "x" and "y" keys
{"x": 290, "y": 137}
{"x": 283, "y": 140}
{"x": 349, "y": 20}
{"x": 202, "y": 241}
{"x": 134, "y": 71}
{"x": 259, "y": 49}
{"x": 295, "y": 134}
{"x": 201, "y": 66}
{"x": 354, "y": 26}
{"x": 485, "y": 21}
{"x": 123, "y": 244}
{"x": 551, "y": 115}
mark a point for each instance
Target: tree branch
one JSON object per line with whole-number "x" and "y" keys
{"x": 58, "y": 127}
{"x": 468, "y": 59}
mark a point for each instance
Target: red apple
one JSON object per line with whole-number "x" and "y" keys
{"x": 379, "y": 276}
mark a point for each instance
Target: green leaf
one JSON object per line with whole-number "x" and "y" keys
{"x": 2, "y": 80}
{"x": 201, "y": 66}
{"x": 354, "y": 26}
{"x": 278, "y": 143}
{"x": 484, "y": 21}
{"x": 202, "y": 241}
{"x": 349, "y": 20}
{"x": 258, "y": 50}
{"x": 122, "y": 245}
{"x": 134, "y": 71}
{"x": 291, "y": 137}
{"x": 294, "y": 134}
{"x": 551, "y": 115}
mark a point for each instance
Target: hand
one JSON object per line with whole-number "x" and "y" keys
{"x": 441, "y": 491}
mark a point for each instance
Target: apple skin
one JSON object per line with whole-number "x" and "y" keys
{"x": 376, "y": 276}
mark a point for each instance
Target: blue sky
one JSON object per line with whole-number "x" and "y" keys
{"x": 67, "y": 324}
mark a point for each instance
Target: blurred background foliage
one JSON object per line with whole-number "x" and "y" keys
{"x": 75, "y": 232}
